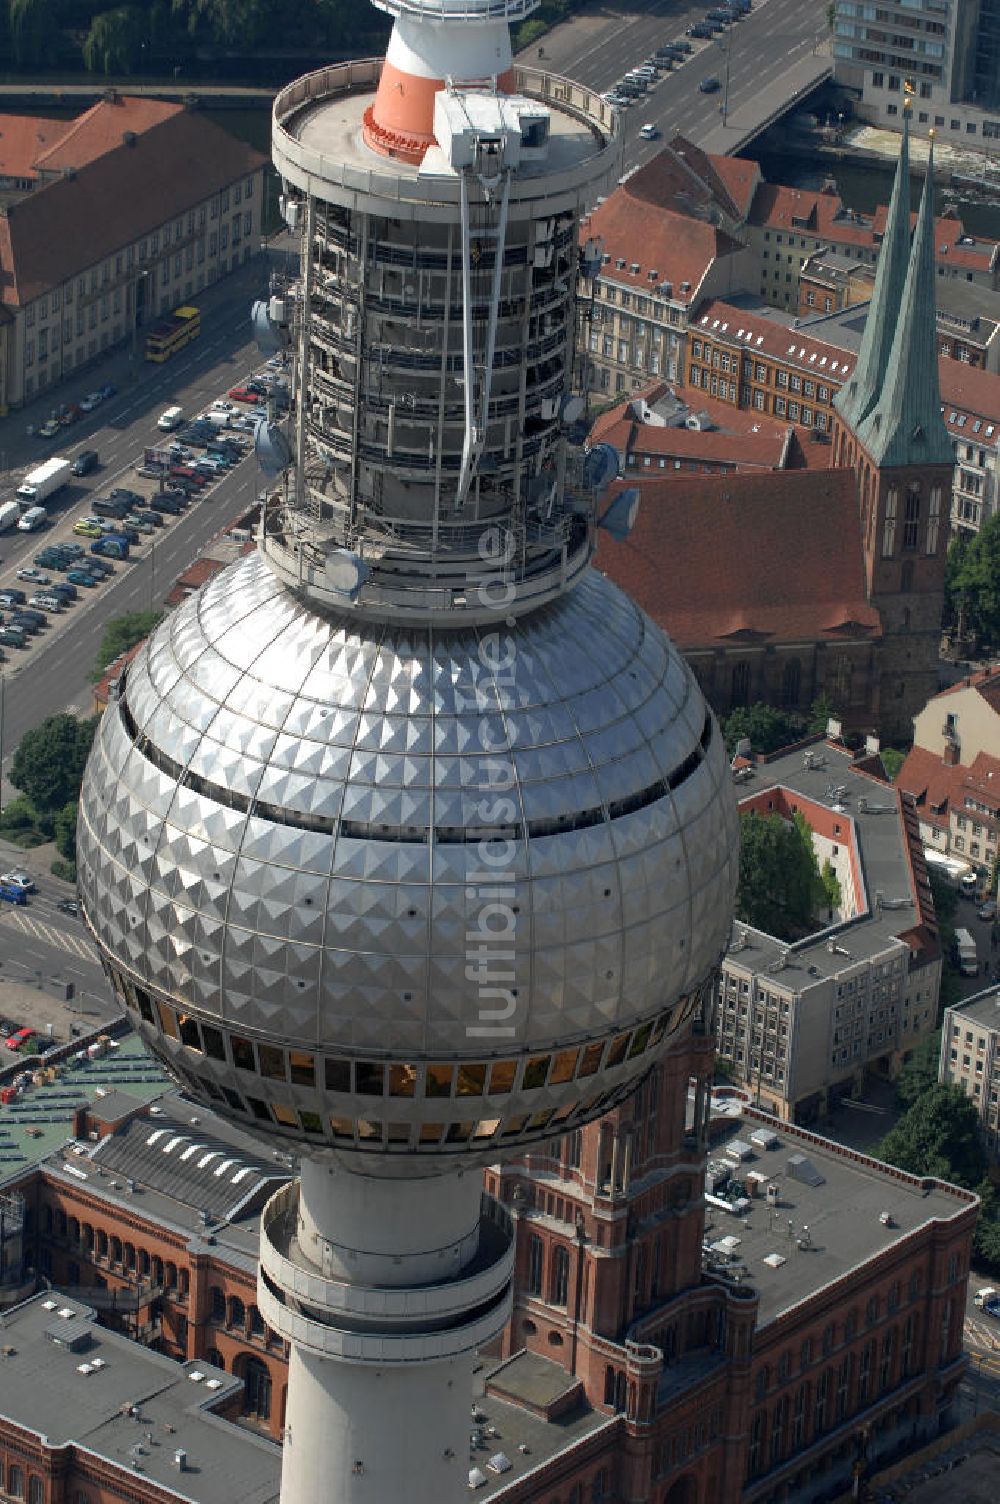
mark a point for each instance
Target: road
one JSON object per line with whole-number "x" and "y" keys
{"x": 52, "y": 675}
{"x": 38, "y": 944}
{"x": 766, "y": 52}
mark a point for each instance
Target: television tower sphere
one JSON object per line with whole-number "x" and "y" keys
{"x": 410, "y": 893}
{"x": 409, "y": 841}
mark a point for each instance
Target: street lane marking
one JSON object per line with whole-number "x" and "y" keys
{"x": 981, "y": 1334}
{"x": 52, "y": 936}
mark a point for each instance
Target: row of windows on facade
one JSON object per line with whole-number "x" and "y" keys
{"x": 15, "y": 1483}
{"x": 111, "y": 304}
{"x": 781, "y": 1431}
{"x": 792, "y": 381}
{"x": 70, "y": 357}
{"x": 149, "y": 248}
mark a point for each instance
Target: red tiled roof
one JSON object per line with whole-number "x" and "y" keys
{"x": 52, "y": 233}
{"x": 948, "y": 231}
{"x": 664, "y": 247}
{"x": 22, "y": 139}
{"x": 985, "y": 680}
{"x": 972, "y": 394}
{"x": 100, "y": 129}
{"x": 756, "y": 331}
{"x": 685, "y": 178}
{"x": 939, "y": 787}
{"x": 824, "y": 216}
{"x": 776, "y": 556}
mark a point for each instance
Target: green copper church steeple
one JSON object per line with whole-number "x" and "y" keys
{"x": 856, "y": 397}
{"x": 904, "y": 425}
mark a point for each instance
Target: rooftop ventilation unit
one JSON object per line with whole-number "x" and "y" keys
{"x": 802, "y": 1169}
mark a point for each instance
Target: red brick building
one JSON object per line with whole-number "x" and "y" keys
{"x": 667, "y": 1345}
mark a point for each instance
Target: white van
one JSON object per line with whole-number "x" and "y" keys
{"x": 33, "y": 519}
{"x": 649, "y": 132}
{"x": 171, "y": 419}
{"x": 988, "y": 1292}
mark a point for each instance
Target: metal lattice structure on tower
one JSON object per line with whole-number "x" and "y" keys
{"x": 409, "y": 841}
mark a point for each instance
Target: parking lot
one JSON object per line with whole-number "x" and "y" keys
{"x": 109, "y": 522}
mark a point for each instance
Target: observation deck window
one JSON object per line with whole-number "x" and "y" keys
{"x": 502, "y": 1074}
{"x": 272, "y": 1062}
{"x": 535, "y": 1072}
{"x": 438, "y": 1081}
{"x": 402, "y": 1080}
{"x": 369, "y": 1078}
{"x": 301, "y": 1068}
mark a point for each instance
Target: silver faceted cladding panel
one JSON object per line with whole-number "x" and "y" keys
{"x": 280, "y": 822}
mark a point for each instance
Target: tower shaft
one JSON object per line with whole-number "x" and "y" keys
{"x": 384, "y": 1289}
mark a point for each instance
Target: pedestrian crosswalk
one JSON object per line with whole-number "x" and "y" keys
{"x": 49, "y": 934}
{"x": 982, "y": 1334}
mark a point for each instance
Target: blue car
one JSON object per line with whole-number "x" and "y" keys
{"x": 82, "y": 577}
{"x": 110, "y": 390}
{"x": 110, "y": 548}
{"x": 13, "y": 894}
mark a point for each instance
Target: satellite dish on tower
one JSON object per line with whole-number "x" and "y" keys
{"x": 620, "y": 518}
{"x": 346, "y": 572}
{"x": 269, "y": 337}
{"x": 600, "y": 467}
{"x": 571, "y": 409}
{"x": 271, "y": 448}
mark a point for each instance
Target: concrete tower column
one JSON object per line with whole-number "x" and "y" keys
{"x": 384, "y": 1289}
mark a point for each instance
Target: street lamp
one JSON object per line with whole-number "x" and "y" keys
{"x": 140, "y": 279}
{"x": 727, "y": 47}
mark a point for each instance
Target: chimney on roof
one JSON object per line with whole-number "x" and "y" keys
{"x": 111, "y": 96}
{"x": 128, "y": 138}
{"x": 950, "y": 755}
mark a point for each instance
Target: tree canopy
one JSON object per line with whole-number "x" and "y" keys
{"x": 49, "y": 761}
{"x": 122, "y": 633}
{"x": 972, "y": 584}
{"x": 937, "y": 1135}
{"x": 765, "y": 726}
{"x": 780, "y": 887}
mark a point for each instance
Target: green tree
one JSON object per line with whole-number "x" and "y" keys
{"x": 920, "y": 1072}
{"x": 31, "y": 32}
{"x": 122, "y": 633}
{"x": 972, "y": 584}
{"x": 937, "y": 1135}
{"x": 892, "y": 761}
{"x": 766, "y": 727}
{"x": 830, "y": 883}
{"x": 65, "y": 831}
{"x": 49, "y": 761}
{"x": 820, "y": 711}
{"x": 779, "y": 886}
{"x": 114, "y": 42}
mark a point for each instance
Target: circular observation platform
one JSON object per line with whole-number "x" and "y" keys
{"x": 318, "y": 147}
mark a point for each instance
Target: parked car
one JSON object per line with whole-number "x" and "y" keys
{"x": 71, "y": 414}
{"x": 168, "y": 504}
{"x": 63, "y": 592}
{"x": 987, "y": 911}
{"x": 87, "y": 527}
{"x": 69, "y": 906}
{"x": 123, "y": 493}
{"x": 98, "y": 566}
{"x": 148, "y": 520}
{"x": 26, "y": 621}
{"x": 45, "y": 601}
{"x": 80, "y": 577}
{"x": 92, "y": 400}
{"x": 13, "y": 637}
{"x": 110, "y": 390}
{"x": 13, "y": 895}
{"x": 242, "y": 394}
{"x": 19, "y": 879}
{"x": 709, "y": 85}
{"x": 970, "y": 880}
{"x": 20, "y": 1039}
{"x": 33, "y": 576}
{"x": 49, "y": 430}
{"x": 12, "y": 597}
{"x": 649, "y": 132}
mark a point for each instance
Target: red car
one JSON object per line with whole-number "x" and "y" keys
{"x": 191, "y": 476}
{"x": 15, "y": 1041}
{"x": 242, "y": 394}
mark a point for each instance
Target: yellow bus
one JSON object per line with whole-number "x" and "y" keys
{"x": 170, "y": 334}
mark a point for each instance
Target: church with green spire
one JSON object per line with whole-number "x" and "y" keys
{"x": 889, "y": 429}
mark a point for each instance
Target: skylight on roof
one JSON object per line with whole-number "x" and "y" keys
{"x": 977, "y": 425}
{"x": 715, "y": 323}
{"x": 834, "y": 364}
{"x": 812, "y": 357}
{"x": 760, "y": 340}
{"x": 790, "y": 350}
{"x": 989, "y": 430}
{"x": 212, "y": 1154}
{"x": 962, "y": 421}
{"x": 952, "y": 416}
{"x": 242, "y": 1174}
{"x": 822, "y": 360}
{"x": 739, "y": 333}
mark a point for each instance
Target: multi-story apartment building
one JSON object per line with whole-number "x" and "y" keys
{"x": 800, "y": 1023}
{"x": 183, "y": 204}
{"x": 968, "y": 316}
{"x": 952, "y": 773}
{"x": 943, "y": 52}
{"x": 970, "y": 1058}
